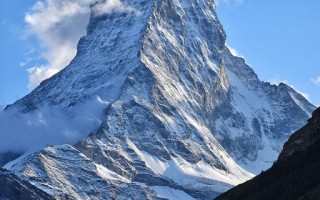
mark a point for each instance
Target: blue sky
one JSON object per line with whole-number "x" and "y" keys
{"x": 279, "y": 39}
{"x": 13, "y": 50}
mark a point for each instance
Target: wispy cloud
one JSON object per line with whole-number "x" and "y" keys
{"x": 230, "y": 2}
{"x": 316, "y": 80}
{"x": 234, "y": 51}
{"x": 33, "y": 131}
{"x": 113, "y": 6}
{"x": 58, "y": 25}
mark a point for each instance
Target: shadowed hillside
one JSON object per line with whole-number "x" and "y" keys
{"x": 294, "y": 176}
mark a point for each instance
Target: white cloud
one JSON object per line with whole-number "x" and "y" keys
{"x": 234, "y": 51}
{"x": 25, "y": 63}
{"x": 113, "y": 6}
{"x": 316, "y": 80}
{"x": 33, "y": 131}
{"x": 230, "y": 2}
{"x": 58, "y": 25}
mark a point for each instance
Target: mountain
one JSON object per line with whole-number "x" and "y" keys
{"x": 176, "y": 108}
{"x": 304, "y": 138}
{"x": 12, "y": 187}
{"x": 295, "y": 175}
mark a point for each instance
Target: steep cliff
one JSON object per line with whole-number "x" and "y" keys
{"x": 12, "y": 187}
{"x": 177, "y": 108}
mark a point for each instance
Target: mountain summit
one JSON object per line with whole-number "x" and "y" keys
{"x": 178, "y": 108}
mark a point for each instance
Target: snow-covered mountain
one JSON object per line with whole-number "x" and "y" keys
{"x": 178, "y": 108}
{"x": 12, "y": 187}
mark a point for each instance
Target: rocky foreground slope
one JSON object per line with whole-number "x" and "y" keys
{"x": 294, "y": 176}
{"x": 14, "y": 188}
{"x": 177, "y": 108}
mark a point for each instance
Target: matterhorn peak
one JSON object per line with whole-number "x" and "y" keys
{"x": 180, "y": 115}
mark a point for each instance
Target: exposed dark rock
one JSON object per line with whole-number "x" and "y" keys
{"x": 13, "y": 188}
{"x": 303, "y": 138}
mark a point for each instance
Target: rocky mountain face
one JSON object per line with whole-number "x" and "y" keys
{"x": 12, "y": 187}
{"x": 177, "y": 109}
{"x": 65, "y": 173}
{"x": 295, "y": 175}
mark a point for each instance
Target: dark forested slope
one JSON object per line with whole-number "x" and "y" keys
{"x": 296, "y": 174}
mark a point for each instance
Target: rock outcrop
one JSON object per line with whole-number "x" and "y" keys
{"x": 14, "y": 188}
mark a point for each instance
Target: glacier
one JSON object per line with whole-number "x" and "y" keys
{"x": 180, "y": 116}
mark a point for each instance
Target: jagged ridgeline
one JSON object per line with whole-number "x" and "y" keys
{"x": 12, "y": 187}
{"x": 179, "y": 108}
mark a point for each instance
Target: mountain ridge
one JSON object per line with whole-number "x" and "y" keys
{"x": 12, "y": 187}
{"x": 177, "y": 108}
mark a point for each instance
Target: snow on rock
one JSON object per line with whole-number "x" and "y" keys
{"x": 63, "y": 170}
{"x": 168, "y": 193}
{"x": 182, "y": 116}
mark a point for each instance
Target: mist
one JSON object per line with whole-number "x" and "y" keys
{"x": 48, "y": 126}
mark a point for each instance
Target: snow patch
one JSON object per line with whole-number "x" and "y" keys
{"x": 300, "y": 104}
{"x": 109, "y": 175}
{"x": 172, "y": 194}
{"x": 152, "y": 162}
{"x": 194, "y": 175}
